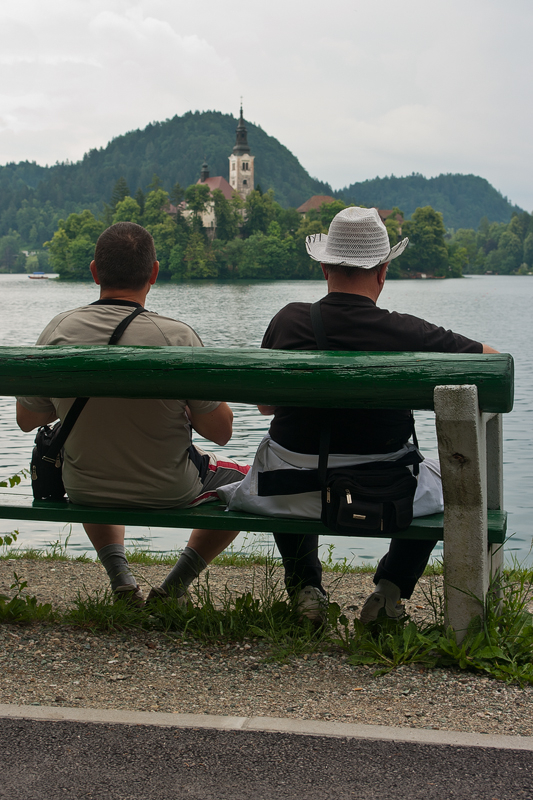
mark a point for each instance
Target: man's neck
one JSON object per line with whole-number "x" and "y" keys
{"x": 124, "y": 294}
{"x": 352, "y": 287}
{"x": 368, "y": 284}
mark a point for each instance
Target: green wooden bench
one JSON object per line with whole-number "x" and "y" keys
{"x": 467, "y": 392}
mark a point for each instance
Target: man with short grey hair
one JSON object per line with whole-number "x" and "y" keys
{"x": 136, "y": 453}
{"x": 354, "y": 257}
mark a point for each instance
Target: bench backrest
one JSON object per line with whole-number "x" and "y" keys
{"x": 245, "y": 375}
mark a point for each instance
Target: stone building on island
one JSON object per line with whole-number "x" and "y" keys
{"x": 241, "y": 176}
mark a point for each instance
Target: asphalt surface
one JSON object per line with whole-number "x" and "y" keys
{"x": 77, "y": 760}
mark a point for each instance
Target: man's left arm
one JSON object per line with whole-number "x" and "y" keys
{"x": 29, "y": 420}
{"x": 488, "y": 349}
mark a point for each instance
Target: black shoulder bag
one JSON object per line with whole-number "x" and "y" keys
{"x": 370, "y": 499}
{"x": 47, "y": 457}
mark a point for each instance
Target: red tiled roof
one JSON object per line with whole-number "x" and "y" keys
{"x": 218, "y": 182}
{"x": 384, "y": 213}
{"x": 315, "y": 202}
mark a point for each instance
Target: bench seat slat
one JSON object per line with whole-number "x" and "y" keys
{"x": 211, "y": 515}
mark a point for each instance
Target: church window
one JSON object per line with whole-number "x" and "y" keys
{"x": 245, "y": 182}
{"x": 245, "y": 165}
{"x": 233, "y": 166}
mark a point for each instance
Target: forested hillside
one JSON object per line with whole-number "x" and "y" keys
{"x": 463, "y": 200}
{"x": 33, "y": 198}
{"x": 162, "y": 163}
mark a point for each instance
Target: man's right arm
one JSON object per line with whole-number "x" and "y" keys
{"x": 488, "y": 349}
{"x": 217, "y": 425}
{"x": 29, "y": 420}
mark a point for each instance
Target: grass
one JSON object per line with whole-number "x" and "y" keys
{"x": 499, "y": 643}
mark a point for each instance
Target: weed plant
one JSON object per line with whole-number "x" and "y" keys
{"x": 21, "y": 609}
{"x": 499, "y": 642}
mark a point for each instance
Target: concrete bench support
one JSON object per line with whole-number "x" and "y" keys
{"x": 470, "y": 451}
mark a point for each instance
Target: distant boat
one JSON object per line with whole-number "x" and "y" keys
{"x": 38, "y": 276}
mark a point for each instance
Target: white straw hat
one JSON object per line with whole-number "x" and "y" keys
{"x": 357, "y": 238}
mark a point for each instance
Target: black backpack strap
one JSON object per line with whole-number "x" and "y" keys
{"x": 121, "y": 327}
{"x": 80, "y": 402}
{"x": 318, "y": 327}
{"x": 325, "y": 430}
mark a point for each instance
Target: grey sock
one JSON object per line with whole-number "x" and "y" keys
{"x": 113, "y": 557}
{"x": 187, "y": 568}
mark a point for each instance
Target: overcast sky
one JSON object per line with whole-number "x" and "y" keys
{"x": 354, "y": 89}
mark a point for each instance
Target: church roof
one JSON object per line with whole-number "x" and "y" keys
{"x": 315, "y": 202}
{"x": 218, "y": 182}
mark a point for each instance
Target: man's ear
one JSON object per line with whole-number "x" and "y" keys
{"x": 155, "y": 272}
{"x": 382, "y": 273}
{"x": 94, "y": 272}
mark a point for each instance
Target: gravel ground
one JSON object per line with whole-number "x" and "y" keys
{"x": 147, "y": 671}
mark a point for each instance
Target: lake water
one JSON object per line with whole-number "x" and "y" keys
{"x": 494, "y": 309}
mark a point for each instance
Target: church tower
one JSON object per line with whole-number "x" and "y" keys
{"x": 241, "y": 163}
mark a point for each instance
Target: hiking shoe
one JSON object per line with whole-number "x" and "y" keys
{"x": 313, "y": 605}
{"x": 157, "y": 593}
{"x": 129, "y": 594}
{"x": 379, "y": 606}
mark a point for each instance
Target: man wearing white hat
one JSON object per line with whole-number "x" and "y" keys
{"x": 354, "y": 257}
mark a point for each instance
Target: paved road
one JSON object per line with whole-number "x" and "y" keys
{"x": 75, "y": 760}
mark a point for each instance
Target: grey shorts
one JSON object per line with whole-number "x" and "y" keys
{"x": 214, "y": 470}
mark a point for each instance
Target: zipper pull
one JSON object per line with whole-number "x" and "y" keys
{"x": 34, "y": 473}
{"x": 328, "y": 495}
{"x": 348, "y": 497}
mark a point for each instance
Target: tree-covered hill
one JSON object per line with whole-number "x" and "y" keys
{"x": 33, "y": 198}
{"x": 174, "y": 150}
{"x": 463, "y": 200}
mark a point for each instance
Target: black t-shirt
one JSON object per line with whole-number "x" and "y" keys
{"x": 353, "y": 322}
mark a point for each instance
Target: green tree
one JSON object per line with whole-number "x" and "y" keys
{"x": 72, "y": 245}
{"x": 176, "y": 264}
{"x": 177, "y": 194}
{"x": 289, "y": 220}
{"x": 127, "y": 210}
{"x": 199, "y": 260}
{"x": 120, "y": 191}
{"x": 197, "y": 197}
{"x": 305, "y": 267}
{"x": 427, "y": 252}
{"x": 330, "y": 210}
{"x": 528, "y": 250}
{"x": 155, "y": 184}
{"x": 259, "y": 211}
{"x": 139, "y": 197}
{"x": 166, "y": 237}
{"x": 228, "y": 216}
{"x": 12, "y": 259}
{"x": 155, "y": 204}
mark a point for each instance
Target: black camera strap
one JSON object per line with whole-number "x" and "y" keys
{"x": 80, "y": 402}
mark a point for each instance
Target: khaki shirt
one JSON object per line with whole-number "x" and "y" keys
{"x": 125, "y": 452}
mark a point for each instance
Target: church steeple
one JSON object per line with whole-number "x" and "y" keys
{"x": 241, "y": 139}
{"x": 241, "y": 163}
